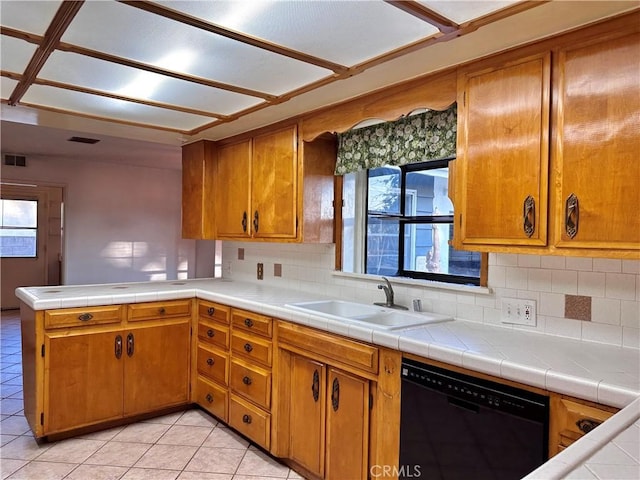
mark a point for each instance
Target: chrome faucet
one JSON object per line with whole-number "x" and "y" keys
{"x": 388, "y": 292}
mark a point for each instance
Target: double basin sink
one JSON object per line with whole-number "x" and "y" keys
{"x": 371, "y": 315}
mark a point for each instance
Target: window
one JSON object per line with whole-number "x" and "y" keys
{"x": 406, "y": 226}
{"x": 18, "y": 228}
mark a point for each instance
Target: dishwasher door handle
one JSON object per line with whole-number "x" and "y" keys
{"x": 463, "y": 404}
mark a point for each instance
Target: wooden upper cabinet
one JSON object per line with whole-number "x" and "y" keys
{"x": 233, "y": 193}
{"x": 274, "y": 184}
{"x": 198, "y": 170}
{"x": 596, "y": 148}
{"x": 503, "y": 154}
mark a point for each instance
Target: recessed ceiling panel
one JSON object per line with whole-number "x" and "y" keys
{"x": 128, "y": 32}
{"x": 111, "y": 109}
{"x": 6, "y": 87}
{"x": 31, "y": 16}
{"x": 344, "y": 32}
{"x": 129, "y": 82}
{"x": 15, "y": 54}
{"x": 462, "y": 11}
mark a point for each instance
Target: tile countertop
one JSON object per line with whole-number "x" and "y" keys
{"x": 600, "y": 373}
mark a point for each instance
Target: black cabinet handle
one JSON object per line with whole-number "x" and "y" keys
{"x": 529, "y": 216}
{"x": 209, "y": 398}
{"x": 210, "y": 333}
{"x": 211, "y": 311}
{"x": 246, "y": 419}
{"x": 210, "y": 361}
{"x": 246, "y": 380}
{"x": 130, "y": 345}
{"x": 248, "y": 322}
{"x": 162, "y": 311}
{"x": 335, "y": 394}
{"x": 85, "y": 317}
{"x": 571, "y": 215}
{"x": 256, "y": 222}
{"x": 586, "y": 425}
{"x": 315, "y": 386}
{"x": 248, "y": 347}
{"x": 118, "y": 347}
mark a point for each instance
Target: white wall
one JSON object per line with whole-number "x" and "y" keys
{"x": 122, "y": 222}
{"x": 613, "y": 287}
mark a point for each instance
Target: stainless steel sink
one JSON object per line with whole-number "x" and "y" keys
{"x": 363, "y": 314}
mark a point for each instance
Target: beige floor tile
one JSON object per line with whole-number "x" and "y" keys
{"x": 43, "y": 471}
{"x": 225, "y": 438}
{"x": 204, "y": 476}
{"x": 169, "y": 419}
{"x": 23, "y": 448}
{"x": 10, "y": 406}
{"x": 197, "y": 418}
{"x": 96, "y": 472}
{"x": 4, "y": 439}
{"x": 104, "y": 435}
{"x": 216, "y": 460}
{"x": 122, "y": 454}
{"x": 8, "y": 466}
{"x": 258, "y": 463}
{"x": 185, "y": 435}
{"x": 73, "y": 450}
{"x": 150, "y": 474}
{"x": 141, "y": 433}
{"x": 170, "y": 457}
{"x": 8, "y": 390}
{"x": 14, "y": 425}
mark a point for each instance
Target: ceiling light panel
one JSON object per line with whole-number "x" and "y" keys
{"x": 6, "y": 87}
{"x": 344, "y": 32}
{"x": 109, "y": 108}
{"x": 461, "y": 11}
{"x": 16, "y": 54}
{"x": 31, "y": 16}
{"x": 78, "y": 70}
{"x": 125, "y": 31}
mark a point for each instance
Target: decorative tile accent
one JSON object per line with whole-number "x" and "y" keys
{"x": 577, "y": 307}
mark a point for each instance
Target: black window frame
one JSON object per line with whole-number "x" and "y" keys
{"x": 404, "y": 220}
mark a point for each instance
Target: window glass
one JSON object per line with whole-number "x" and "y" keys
{"x": 18, "y": 228}
{"x": 19, "y": 213}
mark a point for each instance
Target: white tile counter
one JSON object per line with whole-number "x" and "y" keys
{"x": 601, "y": 373}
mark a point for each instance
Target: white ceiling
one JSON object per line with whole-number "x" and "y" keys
{"x": 127, "y": 75}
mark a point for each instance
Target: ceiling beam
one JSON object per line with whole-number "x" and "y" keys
{"x": 56, "y": 29}
{"x": 425, "y": 14}
{"x": 234, "y": 35}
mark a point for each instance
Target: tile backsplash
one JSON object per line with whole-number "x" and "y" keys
{"x": 563, "y": 287}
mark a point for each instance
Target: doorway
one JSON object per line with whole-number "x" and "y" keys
{"x": 30, "y": 238}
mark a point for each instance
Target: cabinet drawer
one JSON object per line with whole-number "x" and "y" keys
{"x": 327, "y": 346}
{"x": 251, "y": 322}
{"x": 159, "y": 310}
{"x": 579, "y": 419}
{"x": 251, "y": 421}
{"x": 252, "y": 347}
{"x": 80, "y": 317}
{"x": 213, "y": 333}
{"x": 212, "y": 398}
{"x": 214, "y": 311}
{"x": 213, "y": 364}
{"x": 251, "y": 382}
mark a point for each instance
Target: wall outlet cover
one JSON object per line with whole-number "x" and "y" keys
{"x": 519, "y": 311}
{"x": 260, "y": 271}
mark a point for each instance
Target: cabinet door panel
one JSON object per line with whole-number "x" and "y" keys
{"x": 347, "y": 430}
{"x": 504, "y": 153}
{"x": 157, "y": 371}
{"x": 598, "y": 143}
{"x": 83, "y": 380}
{"x": 232, "y": 192}
{"x": 274, "y": 184}
{"x": 307, "y": 403}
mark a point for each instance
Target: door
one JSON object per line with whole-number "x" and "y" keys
{"x": 31, "y": 244}
{"x": 233, "y": 216}
{"x": 306, "y": 413}
{"x": 598, "y": 131}
{"x": 347, "y": 435}
{"x": 503, "y": 154}
{"x": 156, "y": 371}
{"x": 83, "y": 378}
{"x": 274, "y": 184}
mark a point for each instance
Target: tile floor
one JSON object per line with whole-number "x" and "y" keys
{"x": 188, "y": 445}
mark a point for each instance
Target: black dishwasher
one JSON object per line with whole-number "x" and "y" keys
{"x": 457, "y": 427}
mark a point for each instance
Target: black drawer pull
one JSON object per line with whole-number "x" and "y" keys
{"x": 210, "y": 333}
{"x": 246, "y": 419}
{"x": 211, "y": 311}
{"x": 85, "y": 317}
{"x": 248, "y": 348}
{"x": 210, "y": 361}
{"x": 209, "y": 398}
{"x": 162, "y": 311}
{"x": 246, "y": 380}
{"x": 586, "y": 425}
{"x": 248, "y": 322}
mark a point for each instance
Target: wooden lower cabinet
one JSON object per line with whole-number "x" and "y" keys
{"x": 212, "y": 397}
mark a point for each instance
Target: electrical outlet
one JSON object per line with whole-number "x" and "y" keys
{"x": 260, "y": 271}
{"x": 519, "y": 311}
{"x": 226, "y": 269}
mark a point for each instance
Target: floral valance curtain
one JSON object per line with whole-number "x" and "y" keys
{"x": 426, "y": 136}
